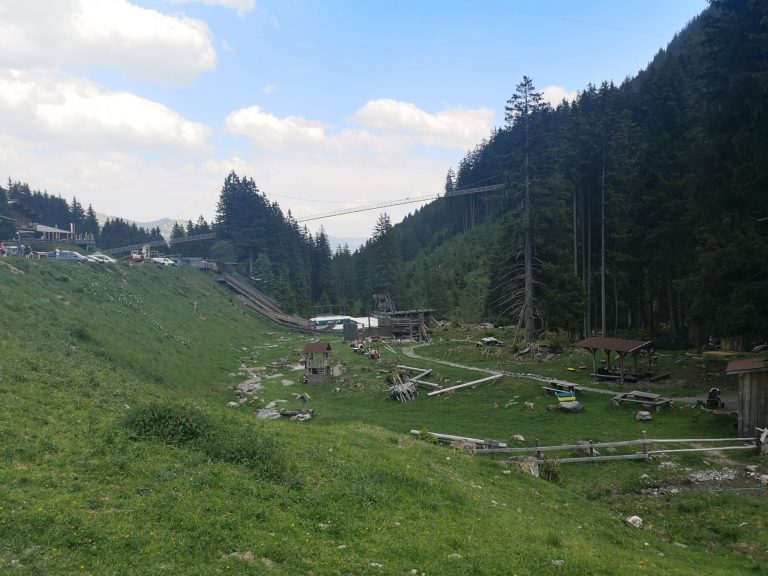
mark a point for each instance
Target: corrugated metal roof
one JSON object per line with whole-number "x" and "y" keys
{"x": 613, "y": 344}
{"x": 50, "y": 229}
{"x": 315, "y": 347}
{"x": 748, "y": 365}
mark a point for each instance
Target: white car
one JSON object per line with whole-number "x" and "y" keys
{"x": 163, "y": 261}
{"x": 103, "y": 258}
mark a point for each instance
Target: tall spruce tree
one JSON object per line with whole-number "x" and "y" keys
{"x": 521, "y": 108}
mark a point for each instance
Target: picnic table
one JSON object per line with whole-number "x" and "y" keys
{"x": 556, "y": 386}
{"x": 644, "y": 398}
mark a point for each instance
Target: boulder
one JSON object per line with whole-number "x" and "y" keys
{"x": 574, "y": 406}
{"x": 527, "y": 465}
{"x": 643, "y": 415}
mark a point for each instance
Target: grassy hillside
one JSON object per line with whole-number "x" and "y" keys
{"x": 119, "y": 455}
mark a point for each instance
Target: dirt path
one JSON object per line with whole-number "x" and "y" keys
{"x": 730, "y": 399}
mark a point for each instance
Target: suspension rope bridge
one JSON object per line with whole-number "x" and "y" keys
{"x": 401, "y": 201}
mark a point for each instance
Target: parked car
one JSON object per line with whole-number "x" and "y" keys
{"x": 68, "y": 255}
{"x": 103, "y": 258}
{"x": 163, "y": 261}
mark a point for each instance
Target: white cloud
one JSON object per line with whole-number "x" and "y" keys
{"x": 458, "y": 127}
{"x": 269, "y": 90}
{"x": 240, "y": 6}
{"x": 140, "y": 42}
{"x": 273, "y": 133}
{"x": 388, "y": 125}
{"x": 39, "y": 107}
{"x": 556, "y": 94}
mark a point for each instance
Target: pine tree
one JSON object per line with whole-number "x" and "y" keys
{"x": 524, "y": 104}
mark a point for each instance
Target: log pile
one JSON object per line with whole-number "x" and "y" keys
{"x": 400, "y": 387}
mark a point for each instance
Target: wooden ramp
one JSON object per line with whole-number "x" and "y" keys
{"x": 265, "y": 306}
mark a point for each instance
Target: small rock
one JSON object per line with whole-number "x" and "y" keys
{"x": 233, "y": 405}
{"x": 635, "y": 521}
{"x": 455, "y": 556}
{"x": 751, "y": 468}
{"x": 529, "y": 406}
{"x": 376, "y": 565}
{"x": 518, "y": 438}
{"x": 680, "y": 545}
{"x": 643, "y": 415}
{"x": 558, "y": 562}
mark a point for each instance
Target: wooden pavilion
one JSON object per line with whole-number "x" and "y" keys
{"x": 621, "y": 347}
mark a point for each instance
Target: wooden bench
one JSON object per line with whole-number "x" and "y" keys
{"x": 644, "y": 398}
{"x": 554, "y": 387}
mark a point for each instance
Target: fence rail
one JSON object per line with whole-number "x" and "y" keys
{"x": 589, "y": 447}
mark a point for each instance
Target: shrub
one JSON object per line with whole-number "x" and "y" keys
{"x": 549, "y": 470}
{"x": 555, "y": 341}
{"x": 170, "y": 423}
{"x": 427, "y": 436}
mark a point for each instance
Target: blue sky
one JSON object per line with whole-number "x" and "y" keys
{"x": 141, "y": 107}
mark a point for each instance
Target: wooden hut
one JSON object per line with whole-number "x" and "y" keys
{"x": 318, "y": 362}
{"x": 753, "y": 393}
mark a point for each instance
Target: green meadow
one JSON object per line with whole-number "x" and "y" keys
{"x": 119, "y": 454}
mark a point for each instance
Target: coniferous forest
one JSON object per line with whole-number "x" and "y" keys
{"x": 638, "y": 209}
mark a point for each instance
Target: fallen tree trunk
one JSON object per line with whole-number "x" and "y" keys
{"x": 493, "y": 443}
{"x": 489, "y": 378}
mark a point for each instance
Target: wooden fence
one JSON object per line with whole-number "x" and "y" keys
{"x": 646, "y": 444}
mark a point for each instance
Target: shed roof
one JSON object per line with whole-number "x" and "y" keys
{"x": 748, "y": 365}
{"x": 613, "y": 344}
{"x": 50, "y": 229}
{"x": 318, "y": 346}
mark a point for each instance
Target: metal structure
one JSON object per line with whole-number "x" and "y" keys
{"x": 265, "y": 306}
{"x": 128, "y": 249}
{"x": 378, "y": 205}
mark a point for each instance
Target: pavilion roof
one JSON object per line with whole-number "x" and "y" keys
{"x": 613, "y": 344}
{"x": 316, "y": 347}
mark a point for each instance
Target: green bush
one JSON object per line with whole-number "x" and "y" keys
{"x": 555, "y": 341}
{"x": 170, "y": 423}
{"x": 427, "y": 436}
{"x": 549, "y": 470}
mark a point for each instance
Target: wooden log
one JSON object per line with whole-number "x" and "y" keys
{"x": 489, "y": 378}
{"x": 427, "y": 370}
{"x": 637, "y": 456}
{"x": 710, "y": 449}
{"x": 524, "y": 449}
{"x": 426, "y": 384}
{"x": 462, "y": 438}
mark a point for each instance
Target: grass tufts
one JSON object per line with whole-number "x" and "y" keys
{"x": 169, "y": 423}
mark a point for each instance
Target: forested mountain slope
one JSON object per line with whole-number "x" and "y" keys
{"x": 648, "y": 200}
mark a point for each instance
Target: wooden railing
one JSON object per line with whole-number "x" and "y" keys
{"x": 590, "y": 448}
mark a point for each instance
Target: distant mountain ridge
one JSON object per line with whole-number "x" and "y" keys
{"x": 165, "y": 224}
